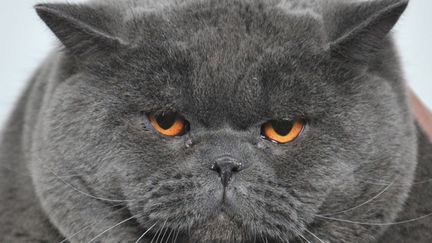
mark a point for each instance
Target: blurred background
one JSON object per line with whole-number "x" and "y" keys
{"x": 25, "y": 41}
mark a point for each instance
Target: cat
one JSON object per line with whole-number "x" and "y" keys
{"x": 217, "y": 121}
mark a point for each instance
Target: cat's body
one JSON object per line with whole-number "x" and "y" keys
{"x": 76, "y": 150}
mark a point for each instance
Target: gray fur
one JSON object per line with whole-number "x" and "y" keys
{"x": 79, "y": 156}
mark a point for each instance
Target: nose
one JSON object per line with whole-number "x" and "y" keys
{"x": 226, "y": 167}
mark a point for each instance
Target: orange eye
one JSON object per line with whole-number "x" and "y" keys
{"x": 282, "y": 131}
{"x": 169, "y": 124}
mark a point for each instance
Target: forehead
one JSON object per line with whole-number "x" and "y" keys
{"x": 231, "y": 54}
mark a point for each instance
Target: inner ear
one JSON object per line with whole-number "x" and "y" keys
{"x": 360, "y": 29}
{"x": 83, "y": 30}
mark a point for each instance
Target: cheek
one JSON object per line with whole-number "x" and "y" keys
{"x": 312, "y": 165}
{"x": 142, "y": 167}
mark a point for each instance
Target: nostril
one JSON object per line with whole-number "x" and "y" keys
{"x": 217, "y": 168}
{"x": 220, "y": 167}
{"x": 236, "y": 168}
{"x": 225, "y": 170}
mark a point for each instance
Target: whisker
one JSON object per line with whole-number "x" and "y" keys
{"x": 110, "y": 228}
{"x": 163, "y": 236}
{"x": 384, "y": 183}
{"x": 262, "y": 237}
{"x": 169, "y": 235}
{"x": 142, "y": 236}
{"x": 94, "y": 224}
{"x": 154, "y": 236}
{"x": 178, "y": 231}
{"x": 364, "y": 203}
{"x": 282, "y": 240}
{"x": 162, "y": 229}
{"x": 376, "y": 224}
{"x": 314, "y": 236}
{"x": 304, "y": 238}
{"x": 87, "y": 194}
{"x": 255, "y": 232}
{"x": 157, "y": 234}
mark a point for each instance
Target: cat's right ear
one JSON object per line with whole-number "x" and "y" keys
{"x": 360, "y": 28}
{"x": 83, "y": 30}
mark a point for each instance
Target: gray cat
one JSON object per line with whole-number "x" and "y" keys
{"x": 217, "y": 121}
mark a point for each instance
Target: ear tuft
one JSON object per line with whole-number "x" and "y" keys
{"x": 362, "y": 28}
{"x": 83, "y": 30}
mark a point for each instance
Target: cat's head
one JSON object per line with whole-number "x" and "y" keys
{"x": 229, "y": 120}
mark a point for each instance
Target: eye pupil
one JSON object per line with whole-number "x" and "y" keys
{"x": 169, "y": 124}
{"x": 166, "y": 121}
{"x": 282, "y": 127}
{"x": 282, "y": 131}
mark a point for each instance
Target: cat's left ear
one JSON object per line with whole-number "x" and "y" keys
{"x": 83, "y": 30}
{"x": 360, "y": 28}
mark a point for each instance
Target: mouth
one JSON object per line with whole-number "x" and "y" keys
{"x": 220, "y": 235}
{"x": 224, "y": 224}
{"x": 224, "y": 216}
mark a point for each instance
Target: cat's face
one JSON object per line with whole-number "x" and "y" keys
{"x": 226, "y": 71}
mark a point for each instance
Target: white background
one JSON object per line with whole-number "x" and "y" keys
{"x": 25, "y": 41}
